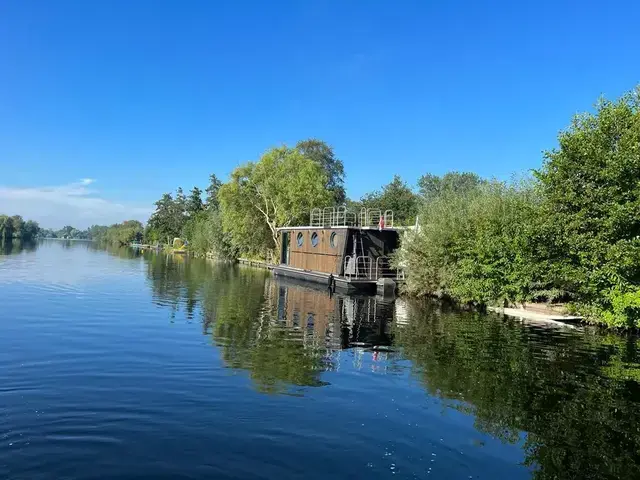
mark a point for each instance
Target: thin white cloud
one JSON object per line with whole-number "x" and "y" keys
{"x": 72, "y": 204}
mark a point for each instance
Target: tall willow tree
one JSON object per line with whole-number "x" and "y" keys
{"x": 277, "y": 191}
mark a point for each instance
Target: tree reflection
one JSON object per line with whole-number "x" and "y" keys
{"x": 570, "y": 393}
{"x": 239, "y": 311}
{"x": 568, "y": 398}
{"x": 12, "y": 247}
{"x": 244, "y": 323}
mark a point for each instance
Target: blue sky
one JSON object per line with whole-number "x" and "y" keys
{"x": 106, "y": 105}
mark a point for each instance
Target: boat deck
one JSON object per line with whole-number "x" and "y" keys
{"x": 345, "y": 284}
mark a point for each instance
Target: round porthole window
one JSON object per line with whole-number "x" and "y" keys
{"x": 314, "y": 239}
{"x": 332, "y": 239}
{"x": 300, "y": 239}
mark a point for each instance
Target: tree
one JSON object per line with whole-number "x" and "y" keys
{"x": 277, "y": 191}
{"x": 46, "y": 233}
{"x": 212, "y": 192}
{"x": 591, "y": 189}
{"x": 431, "y": 186}
{"x": 6, "y": 228}
{"x": 396, "y": 196}
{"x": 323, "y": 155}
{"x": 117, "y": 234}
{"x": 30, "y": 230}
{"x": 206, "y": 236}
{"x": 66, "y": 232}
{"x": 166, "y": 222}
{"x": 194, "y": 202}
{"x": 180, "y": 203}
{"x": 97, "y": 232}
{"x": 18, "y": 226}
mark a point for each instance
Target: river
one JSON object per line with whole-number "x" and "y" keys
{"x": 134, "y": 365}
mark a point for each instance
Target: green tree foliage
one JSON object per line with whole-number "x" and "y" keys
{"x": 119, "y": 234}
{"x": 97, "y": 231}
{"x": 31, "y": 230}
{"x": 180, "y": 204}
{"x": 18, "y": 226}
{"x": 591, "y": 190}
{"x": 68, "y": 232}
{"x": 194, "y": 202}
{"x": 15, "y": 228}
{"x": 212, "y": 192}
{"x": 203, "y": 229}
{"x": 475, "y": 245}
{"x": 169, "y": 218}
{"x": 323, "y": 155}
{"x": 277, "y": 191}
{"x": 396, "y": 196}
{"x": 432, "y": 186}
{"x": 46, "y": 233}
{"x": 205, "y": 235}
{"x": 573, "y": 234}
{"x": 6, "y": 228}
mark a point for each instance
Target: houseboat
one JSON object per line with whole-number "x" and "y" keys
{"x": 342, "y": 249}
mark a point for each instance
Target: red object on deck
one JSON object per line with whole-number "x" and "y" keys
{"x": 381, "y": 223}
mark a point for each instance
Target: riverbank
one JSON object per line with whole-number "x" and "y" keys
{"x": 541, "y": 314}
{"x": 535, "y": 312}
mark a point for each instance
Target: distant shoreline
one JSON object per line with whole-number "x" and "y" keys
{"x": 68, "y": 239}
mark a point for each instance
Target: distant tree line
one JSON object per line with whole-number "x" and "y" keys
{"x": 66, "y": 232}
{"x": 118, "y": 234}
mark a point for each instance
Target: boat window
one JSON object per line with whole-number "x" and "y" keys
{"x": 332, "y": 239}
{"x": 314, "y": 239}
{"x": 300, "y": 239}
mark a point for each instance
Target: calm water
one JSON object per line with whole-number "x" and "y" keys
{"x": 122, "y": 365}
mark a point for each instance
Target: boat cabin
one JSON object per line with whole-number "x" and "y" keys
{"x": 353, "y": 251}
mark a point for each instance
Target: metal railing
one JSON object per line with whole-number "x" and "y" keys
{"x": 365, "y": 268}
{"x": 370, "y": 217}
{"x": 333, "y": 217}
{"x": 343, "y": 217}
{"x": 384, "y": 269}
{"x": 358, "y": 267}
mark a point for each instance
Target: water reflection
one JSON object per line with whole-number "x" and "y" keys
{"x": 285, "y": 334}
{"x": 13, "y": 247}
{"x": 575, "y": 395}
{"x": 569, "y": 399}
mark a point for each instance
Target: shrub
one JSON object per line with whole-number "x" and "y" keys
{"x": 206, "y": 236}
{"x": 475, "y": 245}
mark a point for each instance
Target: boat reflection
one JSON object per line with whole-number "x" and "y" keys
{"x": 342, "y": 321}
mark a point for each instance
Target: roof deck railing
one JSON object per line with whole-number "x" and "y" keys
{"x": 374, "y": 217}
{"x": 343, "y": 217}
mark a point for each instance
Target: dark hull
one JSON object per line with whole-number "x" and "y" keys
{"x": 342, "y": 284}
